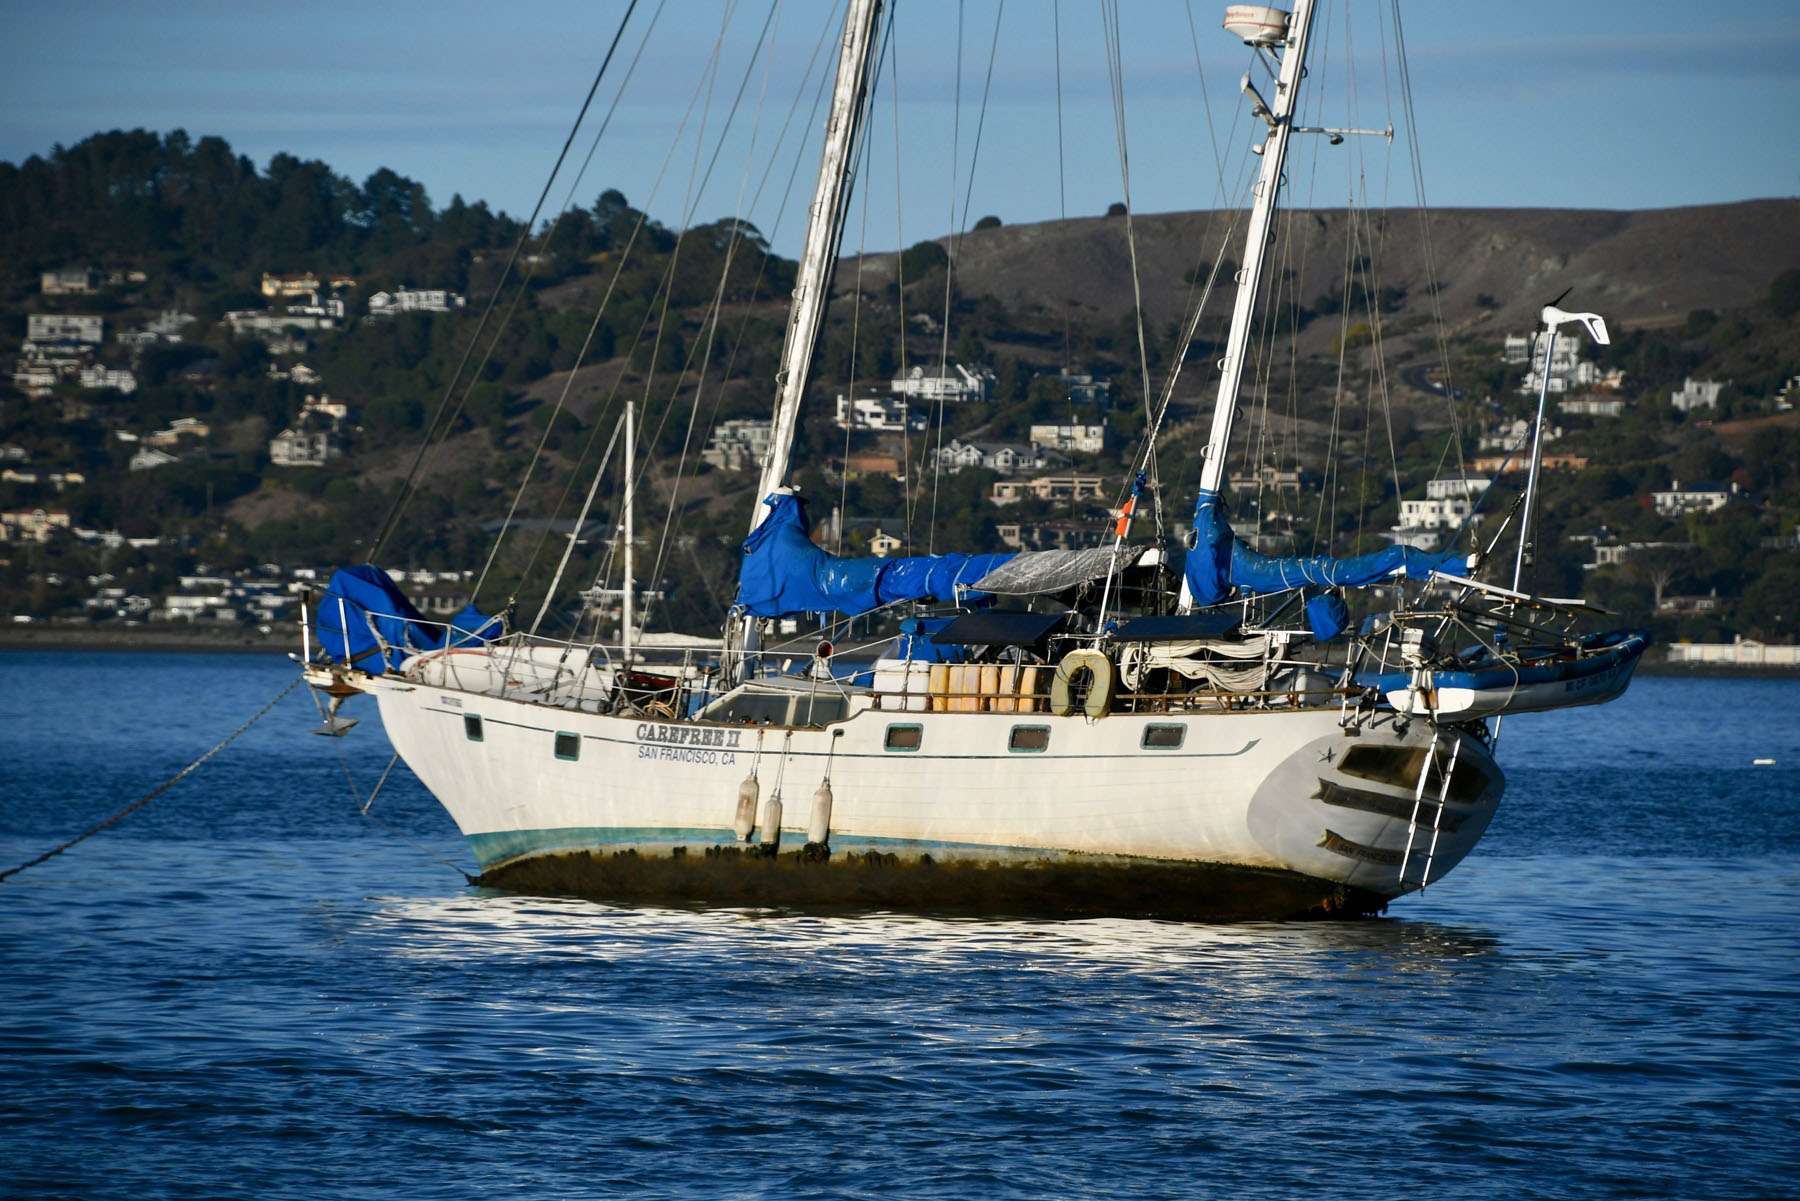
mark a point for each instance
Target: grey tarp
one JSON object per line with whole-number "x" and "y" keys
{"x": 1036, "y": 572}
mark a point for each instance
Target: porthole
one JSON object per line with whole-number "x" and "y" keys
{"x": 1028, "y": 740}
{"x": 904, "y": 737}
{"x": 1164, "y": 737}
{"x": 472, "y": 727}
{"x": 568, "y": 746}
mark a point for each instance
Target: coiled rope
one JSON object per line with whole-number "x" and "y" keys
{"x": 158, "y": 791}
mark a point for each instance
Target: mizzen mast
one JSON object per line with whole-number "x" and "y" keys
{"x": 1277, "y": 33}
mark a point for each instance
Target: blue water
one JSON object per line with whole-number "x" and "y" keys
{"x": 246, "y": 989}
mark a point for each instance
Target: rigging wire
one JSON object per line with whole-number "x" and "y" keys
{"x": 1115, "y": 68}
{"x": 943, "y": 367}
{"x": 568, "y": 383}
{"x": 404, "y": 493}
{"x": 575, "y": 530}
{"x": 1415, "y": 159}
{"x": 671, "y": 529}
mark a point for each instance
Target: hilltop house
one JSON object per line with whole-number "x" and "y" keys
{"x": 407, "y": 300}
{"x": 959, "y": 385}
{"x": 885, "y": 414}
{"x": 1697, "y": 394}
{"x": 1049, "y": 487}
{"x": 1703, "y": 497}
{"x": 1082, "y": 439}
{"x": 65, "y": 327}
{"x": 303, "y": 448}
{"x": 1004, "y": 457}
{"x": 739, "y": 444}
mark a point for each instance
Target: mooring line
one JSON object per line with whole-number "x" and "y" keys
{"x": 363, "y": 808}
{"x": 164, "y": 787}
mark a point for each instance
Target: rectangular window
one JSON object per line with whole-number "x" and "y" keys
{"x": 1029, "y": 739}
{"x": 1164, "y": 738}
{"x": 472, "y": 727}
{"x": 568, "y": 746}
{"x": 904, "y": 737}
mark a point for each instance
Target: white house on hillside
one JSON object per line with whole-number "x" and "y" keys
{"x": 1705, "y": 497}
{"x": 959, "y": 386}
{"x": 1697, "y": 394}
{"x": 408, "y": 300}
{"x": 64, "y": 327}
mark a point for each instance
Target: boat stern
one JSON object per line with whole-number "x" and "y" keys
{"x": 1389, "y": 806}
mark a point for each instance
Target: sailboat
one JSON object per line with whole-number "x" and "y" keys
{"x": 1179, "y": 727}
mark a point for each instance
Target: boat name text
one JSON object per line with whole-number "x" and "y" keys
{"x": 688, "y": 735}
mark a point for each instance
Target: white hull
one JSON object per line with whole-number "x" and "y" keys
{"x": 1254, "y": 789}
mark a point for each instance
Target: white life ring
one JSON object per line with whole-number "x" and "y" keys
{"x": 1100, "y": 690}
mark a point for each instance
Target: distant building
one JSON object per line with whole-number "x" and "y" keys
{"x": 116, "y": 378}
{"x": 1268, "y": 478}
{"x": 1739, "y": 650}
{"x": 1697, "y": 394}
{"x": 406, "y": 300}
{"x": 181, "y": 427}
{"x": 1004, "y": 457}
{"x": 1568, "y": 370}
{"x": 1447, "y": 506}
{"x": 1517, "y": 433}
{"x": 882, "y": 544}
{"x": 857, "y": 466}
{"x": 65, "y": 327}
{"x": 739, "y": 444}
{"x": 960, "y": 385}
{"x": 264, "y": 321}
{"x": 289, "y": 285}
{"x": 32, "y": 525}
{"x": 1705, "y": 497}
{"x": 300, "y": 373}
{"x": 1062, "y": 533}
{"x": 149, "y": 458}
{"x": 167, "y": 327}
{"x": 1489, "y": 464}
{"x": 1049, "y": 487}
{"x": 70, "y": 281}
{"x": 886, "y": 414}
{"x": 303, "y": 448}
{"x": 1080, "y": 439}
{"x": 1084, "y": 389}
{"x": 1445, "y": 487}
{"x": 1592, "y": 406}
{"x": 322, "y": 408}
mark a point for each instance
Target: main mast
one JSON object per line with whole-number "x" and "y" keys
{"x": 1259, "y": 27}
{"x": 824, "y": 231}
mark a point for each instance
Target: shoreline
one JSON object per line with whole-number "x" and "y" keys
{"x": 28, "y": 638}
{"x": 281, "y": 641}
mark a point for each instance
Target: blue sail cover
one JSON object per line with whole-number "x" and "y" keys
{"x": 783, "y": 572}
{"x": 1219, "y": 562}
{"x": 363, "y": 611}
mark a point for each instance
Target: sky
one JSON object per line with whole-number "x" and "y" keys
{"x": 1619, "y": 104}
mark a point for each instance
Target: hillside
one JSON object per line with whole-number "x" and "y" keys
{"x": 1643, "y": 269}
{"x": 138, "y": 231}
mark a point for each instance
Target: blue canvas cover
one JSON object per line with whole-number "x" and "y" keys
{"x": 783, "y": 572}
{"x": 1220, "y": 563}
{"x": 363, "y": 609}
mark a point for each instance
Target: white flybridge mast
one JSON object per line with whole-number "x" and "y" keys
{"x": 824, "y": 229}
{"x": 1264, "y": 28}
